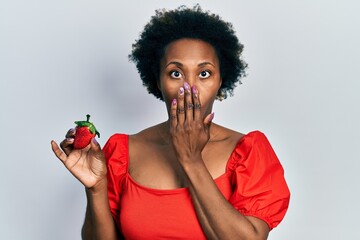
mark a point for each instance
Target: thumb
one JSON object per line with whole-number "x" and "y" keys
{"x": 208, "y": 119}
{"x": 95, "y": 146}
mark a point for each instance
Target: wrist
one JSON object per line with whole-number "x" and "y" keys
{"x": 190, "y": 164}
{"x": 99, "y": 187}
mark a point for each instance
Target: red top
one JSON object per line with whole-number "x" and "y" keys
{"x": 253, "y": 183}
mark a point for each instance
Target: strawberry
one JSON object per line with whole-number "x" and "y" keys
{"x": 85, "y": 131}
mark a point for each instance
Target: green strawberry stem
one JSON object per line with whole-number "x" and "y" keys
{"x": 87, "y": 117}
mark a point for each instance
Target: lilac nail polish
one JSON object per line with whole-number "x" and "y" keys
{"x": 194, "y": 90}
{"x": 187, "y": 86}
{"x": 212, "y": 116}
{"x": 181, "y": 90}
{"x": 173, "y": 101}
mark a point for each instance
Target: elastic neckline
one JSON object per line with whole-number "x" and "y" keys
{"x": 184, "y": 189}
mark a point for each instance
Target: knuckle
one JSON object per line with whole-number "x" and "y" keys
{"x": 199, "y": 125}
{"x": 188, "y": 127}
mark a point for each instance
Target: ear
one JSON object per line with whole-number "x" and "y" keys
{"x": 220, "y": 83}
{"x": 220, "y": 98}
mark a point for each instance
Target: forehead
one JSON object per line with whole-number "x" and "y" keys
{"x": 190, "y": 50}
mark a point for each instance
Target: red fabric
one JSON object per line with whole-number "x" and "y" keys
{"x": 253, "y": 183}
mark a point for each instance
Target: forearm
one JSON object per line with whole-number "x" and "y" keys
{"x": 98, "y": 223}
{"x": 208, "y": 230}
{"x": 217, "y": 215}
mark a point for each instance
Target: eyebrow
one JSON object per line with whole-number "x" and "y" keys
{"x": 175, "y": 63}
{"x": 180, "y": 64}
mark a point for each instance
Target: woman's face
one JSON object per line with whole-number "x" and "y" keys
{"x": 192, "y": 61}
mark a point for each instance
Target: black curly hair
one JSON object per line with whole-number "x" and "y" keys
{"x": 167, "y": 26}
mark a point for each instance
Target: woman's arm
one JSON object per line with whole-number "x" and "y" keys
{"x": 89, "y": 167}
{"x": 219, "y": 219}
{"x": 205, "y": 225}
{"x": 190, "y": 133}
{"x": 98, "y": 223}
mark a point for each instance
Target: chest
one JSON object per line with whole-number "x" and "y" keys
{"x": 147, "y": 213}
{"x": 155, "y": 166}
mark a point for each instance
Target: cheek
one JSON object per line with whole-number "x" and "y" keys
{"x": 208, "y": 96}
{"x": 208, "y": 91}
{"x": 207, "y": 101}
{"x": 169, "y": 89}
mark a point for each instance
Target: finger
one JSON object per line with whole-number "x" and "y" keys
{"x": 70, "y": 133}
{"x": 173, "y": 114}
{"x": 208, "y": 119}
{"x": 95, "y": 146}
{"x": 96, "y": 149}
{"x": 58, "y": 153}
{"x": 67, "y": 145}
{"x": 188, "y": 103}
{"x": 180, "y": 107}
{"x": 197, "y": 104}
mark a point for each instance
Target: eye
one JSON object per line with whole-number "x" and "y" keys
{"x": 204, "y": 74}
{"x": 175, "y": 74}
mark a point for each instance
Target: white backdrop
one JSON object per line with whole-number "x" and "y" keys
{"x": 62, "y": 59}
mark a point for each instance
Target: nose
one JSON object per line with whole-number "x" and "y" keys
{"x": 191, "y": 80}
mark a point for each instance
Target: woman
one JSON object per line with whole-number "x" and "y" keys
{"x": 185, "y": 178}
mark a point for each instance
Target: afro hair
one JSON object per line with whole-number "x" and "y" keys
{"x": 167, "y": 26}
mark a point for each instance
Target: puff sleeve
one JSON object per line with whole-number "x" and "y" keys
{"x": 260, "y": 189}
{"x": 116, "y": 155}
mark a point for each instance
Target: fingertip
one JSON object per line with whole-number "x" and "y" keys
{"x": 209, "y": 118}
{"x": 95, "y": 144}
{"x": 70, "y": 133}
{"x": 181, "y": 91}
{"x": 53, "y": 143}
{"x": 212, "y": 115}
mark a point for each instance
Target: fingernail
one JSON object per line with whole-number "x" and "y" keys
{"x": 173, "y": 101}
{"x": 94, "y": 140}
{"x": 212, "y": 116}
{"x": 194, "y": 90}
{"x": 71, "y": 130}
{"x": 181, "y": 91}
{"x": 187, "y": 87}
{"x": 69, "y": 139}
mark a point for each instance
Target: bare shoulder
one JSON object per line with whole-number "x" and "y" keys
{"x": 144, "y": 143}
{"x": 148, "y": 135}
{"x": 223, "y": 134}
{"x": 218, "y": 150}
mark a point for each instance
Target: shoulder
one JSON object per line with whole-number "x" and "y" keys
{"x": 124, "y": 144}
{"x": 259, "y": 177}
{"x": 116, "y": 137}
{"x": 241, "y": 143}
{"x": 116, "y": 140}
{"x": 254, "y": 139}
{"x": 149, "y": 134}
{"x": 225, "y": 135}
{"x": 253, "y": 150}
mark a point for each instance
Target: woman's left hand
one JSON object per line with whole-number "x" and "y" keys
{"x": 189, "y": 131}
